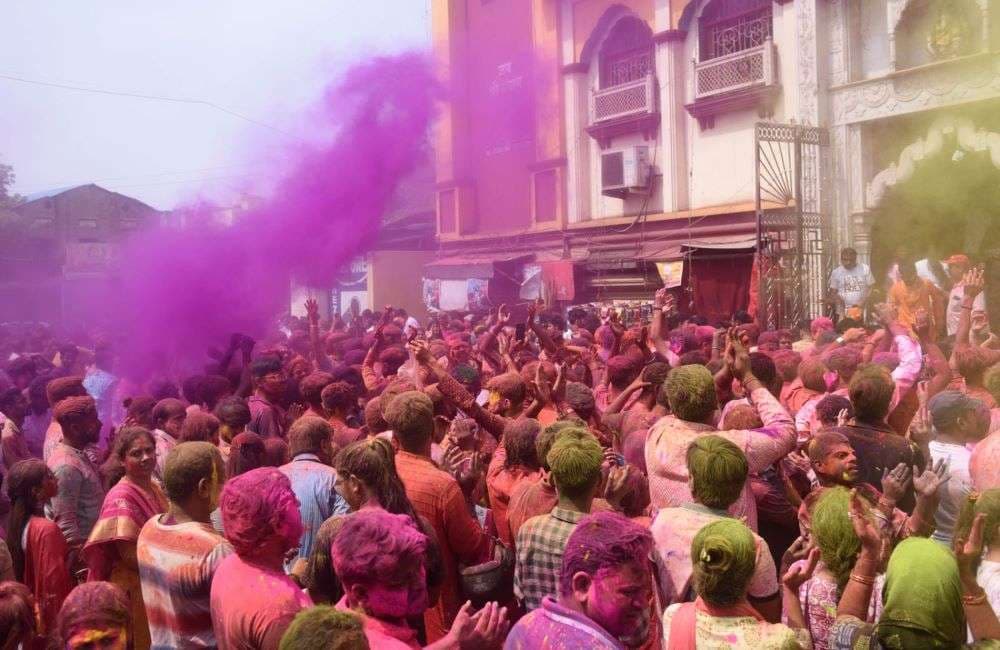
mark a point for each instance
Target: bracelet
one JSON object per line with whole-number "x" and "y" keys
{"x": 865, "y": 580}
{"x": 974, "y": 599}
{"x": 964, "y": 307}
{"x": 885, "y": 503}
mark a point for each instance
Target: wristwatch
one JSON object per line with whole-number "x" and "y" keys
{"x": 840, "y": 340}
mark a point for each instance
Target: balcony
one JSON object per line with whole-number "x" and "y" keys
{"x": 624, "y": 109}
{"x": 737, "y": 81}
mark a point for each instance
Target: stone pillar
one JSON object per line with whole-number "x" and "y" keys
{"x": 672, "y": 158}
{"x": 576, "y": 92}
{"x": 811, "y": 77}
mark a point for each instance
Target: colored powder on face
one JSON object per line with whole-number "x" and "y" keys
{"x": 616, "y": 613}
{"x": 107, "y": 638}
{"x": 184, "y": 289}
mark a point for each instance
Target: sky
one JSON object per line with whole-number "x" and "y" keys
{"x": 267, "y": 61}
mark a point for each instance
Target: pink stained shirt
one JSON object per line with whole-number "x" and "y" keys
{"x": 669, "y": 438}
{"x": 383, "y": 635}
{"x": 673, "y": 531}
{"x": 984, "y": 464}
{"x": 252, "y": 606}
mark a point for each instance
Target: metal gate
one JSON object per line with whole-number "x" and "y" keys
{"x": 793, "y": 235}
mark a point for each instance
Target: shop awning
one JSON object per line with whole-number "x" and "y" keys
{"x": 723, "y": 243}
{"x": 676, "y": 249}
{"x": 461, "y": 267}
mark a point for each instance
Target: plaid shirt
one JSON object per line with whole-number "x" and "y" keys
{"x": 540, "y": 544}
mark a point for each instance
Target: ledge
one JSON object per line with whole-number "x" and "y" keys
{"x": 759, "y": 97}
{"x": 669, "y": 36}
{"x": 645, "y": 123}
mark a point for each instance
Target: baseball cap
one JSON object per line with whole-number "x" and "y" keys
{"x": 947, "y": 406}
{"x": 959, "y": 259}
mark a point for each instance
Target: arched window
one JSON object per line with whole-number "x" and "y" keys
{"x": 728, "y": 26}
{"x": 627, "y": 53}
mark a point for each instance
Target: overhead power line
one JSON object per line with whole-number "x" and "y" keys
{"x": 37, "y": 187}
{"x": 161, "y": 98}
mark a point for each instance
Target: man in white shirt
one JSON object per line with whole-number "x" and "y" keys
{"x": 958, "y": 421}
{"x": 957, "y": 267}
{"x": 850, "y": 282}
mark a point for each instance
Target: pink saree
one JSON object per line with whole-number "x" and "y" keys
{"x": 126, "y": 508}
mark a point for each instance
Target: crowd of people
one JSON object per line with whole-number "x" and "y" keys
{"x": 555, "y": 481}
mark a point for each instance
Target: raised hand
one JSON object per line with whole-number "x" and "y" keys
{"x": 799, "y": 550}
{"x": 295, "y": 411}
{"x": 854, "y": 334}
{"x": 559, "y": 387}
{"x": 919, "y": 432}
{"x": 418, "y": 348}
{"x": 796, "y": 576}
{"x": 530, "y": 319}
{"x": 973, "y": 283}
{"x": 312, "y": 310}
{"x": 503, "y": 316}
{"x": 670, "y": 304}
{"x": 487, "y": 628}
{"x": 616, "y": 488}
{"x": 928, "y": 483}
{"x": 737, "y": 357}
{"x": 542, "y": 387}
{"x": 895, "y": 482}
{"x": 637, "y": 384}
{"x": 503, "y": 344}
{"x": 864, "y": 526}
{"x": 799, "y": 460}
{"x": 968, "y": 549}
{"x": 843, "y": 417}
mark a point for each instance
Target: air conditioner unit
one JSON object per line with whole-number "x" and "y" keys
{"x": 625, "y": 171}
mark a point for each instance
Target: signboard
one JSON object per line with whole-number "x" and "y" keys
{"x": 671, "y": 273}
{"x": 91, "y": 258}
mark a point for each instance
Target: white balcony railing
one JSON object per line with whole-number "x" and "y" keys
{"x": 744, "y": 69}
{"x": 635, "y": 98}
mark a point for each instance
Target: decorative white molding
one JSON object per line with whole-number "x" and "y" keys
{"x": 808, "y": 79}
{"x": 947, "y": 131}
{"x": 839, "y": 52}
{"x": 938, "y": 85}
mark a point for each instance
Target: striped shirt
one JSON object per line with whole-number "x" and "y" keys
{"x": 176, "y": 566}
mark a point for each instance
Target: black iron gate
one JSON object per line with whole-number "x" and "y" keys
{"x": 793, "y": 235}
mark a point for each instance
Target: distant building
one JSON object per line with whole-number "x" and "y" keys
{"x": 70, "y": 246}
{"x": 589, "y": 142}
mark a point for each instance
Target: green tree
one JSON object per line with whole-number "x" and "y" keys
{"x": 7, "y": 178}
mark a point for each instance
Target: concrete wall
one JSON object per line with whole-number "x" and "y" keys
{"x": 396, "y": 278}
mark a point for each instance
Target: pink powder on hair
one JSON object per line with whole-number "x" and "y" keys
{"x": 602, "y": 540}
{"x": 385, "y": 552}
{"x": 259, "y": 509}
{"x": 821, "y": 324}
